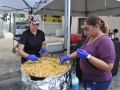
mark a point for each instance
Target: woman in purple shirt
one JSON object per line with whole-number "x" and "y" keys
{"x": 97, "y": 55}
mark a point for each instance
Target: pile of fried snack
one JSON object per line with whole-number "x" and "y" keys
{"x": 45, "y": 67}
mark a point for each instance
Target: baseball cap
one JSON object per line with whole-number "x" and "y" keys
{"x": 34, "y": 19}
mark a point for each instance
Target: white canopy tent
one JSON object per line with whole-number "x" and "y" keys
{"x": 82, "y": 7}
{"x": 21, "y": 6}
{"x": 57, "y": 7}
{"x": 65, "y": 8}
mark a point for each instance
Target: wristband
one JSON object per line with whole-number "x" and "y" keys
{"x": 88, "y": 57}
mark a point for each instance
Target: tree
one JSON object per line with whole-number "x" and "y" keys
{"x": 1, "y": 30}
{"x": 20, "y": 15}
{"x": 4, "y": 16}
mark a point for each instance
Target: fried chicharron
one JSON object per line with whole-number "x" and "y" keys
{"x": 45, "y": 67}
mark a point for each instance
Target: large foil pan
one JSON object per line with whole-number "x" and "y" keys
{"x": 58, "y": 82}
{"x": 42, "y": 78}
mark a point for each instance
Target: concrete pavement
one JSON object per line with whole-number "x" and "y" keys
{"x": 10, "y": 78}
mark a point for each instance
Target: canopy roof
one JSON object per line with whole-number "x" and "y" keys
{"x": 20, "y": 6}
{"x": 57, "y": 7}
{"x": 83, "y": 7}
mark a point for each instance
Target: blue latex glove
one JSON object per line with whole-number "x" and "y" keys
{"x": 32, "y": 57}
{"x": 64, "y": 58}
{"x": 42, "y": 50}
{"x": 82, "y": 53}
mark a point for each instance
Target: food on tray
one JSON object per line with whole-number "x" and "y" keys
{"x": 45, "y": 67}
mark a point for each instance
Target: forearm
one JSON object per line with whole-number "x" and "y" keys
{"x": 100, "y": 64}
{"x": 43, "y": 44}
{"x": 22, "y": 53}
{"x": 73, "y": 55}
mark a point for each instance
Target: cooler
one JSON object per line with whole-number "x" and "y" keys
{"x": 54, "y": 47}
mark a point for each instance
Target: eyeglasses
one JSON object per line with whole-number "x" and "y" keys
{"x": 35, "y": 24}
{"x": 87, "y": 29}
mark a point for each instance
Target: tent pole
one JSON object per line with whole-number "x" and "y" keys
{"x": 65, "y": 27}
{"x": 86, "y": 15}
{"x": 43, "y": 24}
{"x": 14, "y": 24}
{"x": 68, "y": 27}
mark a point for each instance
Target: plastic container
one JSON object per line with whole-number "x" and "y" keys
{"x": 75, "y": 81}
{"x": 54, "y": 47}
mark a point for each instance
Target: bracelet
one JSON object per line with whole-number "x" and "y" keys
{"x": 88, "y": 57}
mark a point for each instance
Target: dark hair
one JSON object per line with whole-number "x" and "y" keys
{"x": 115, "y": 30}
{"x": 93, "y": 20}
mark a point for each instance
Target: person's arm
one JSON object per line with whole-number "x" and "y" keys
{"x": 43, "y": 48}
{"x": 100, "y": 64}
{"x": 21, "y": 52}
{"x": 43, "y": 44}
{"x": 43, "y": 40}
{"x": 73, "y": 55}
{"x": 67, "y": 58}
{"x": 106, "y": 55}
{"x": 106, "y": 61}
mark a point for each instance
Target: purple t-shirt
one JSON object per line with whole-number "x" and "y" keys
{"x": 102, "y": 48}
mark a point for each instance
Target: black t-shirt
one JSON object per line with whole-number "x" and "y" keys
{"x": 32, "y": 42}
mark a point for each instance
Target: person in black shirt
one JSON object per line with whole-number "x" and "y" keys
{"x": 32, "y": 41}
